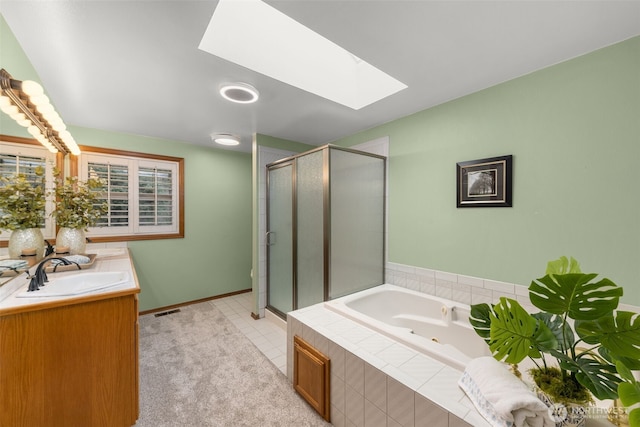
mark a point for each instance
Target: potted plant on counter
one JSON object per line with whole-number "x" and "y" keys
{"x": 575, "y": 341}
{"x": 22, "y": 210}
{"x": 77, "y": 207}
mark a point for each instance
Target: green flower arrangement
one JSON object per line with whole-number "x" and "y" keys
{"x": 22, "y": 201}
{"x": 77, "y": 203}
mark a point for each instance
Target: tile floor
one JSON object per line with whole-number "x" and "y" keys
{"x": 266, "y": 334}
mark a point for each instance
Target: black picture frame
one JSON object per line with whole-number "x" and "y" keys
{"x": 485, "y": 183}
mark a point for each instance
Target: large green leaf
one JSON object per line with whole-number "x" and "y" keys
{"x": 563, "y": 266}
{"x": 599, "y": 378}
{"x": 480, "y": 319}
{"x": 624, "y": 372}
{"x": 619, "y": 333}
{"x": 561, "y": 330}
{"x": 515, "y": 334}
{"x": 629, "y": 393}
{"x": 575, "y": 295}
{"x": 634, "y": 418}
{"x": 629, "y": 362}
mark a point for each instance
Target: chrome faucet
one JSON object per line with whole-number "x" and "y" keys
{"x": 39, "y": 278}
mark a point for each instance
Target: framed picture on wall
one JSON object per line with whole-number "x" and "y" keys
{"x": 485, "y": 183}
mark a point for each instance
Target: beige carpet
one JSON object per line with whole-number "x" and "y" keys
{"x": 197, "y": 369}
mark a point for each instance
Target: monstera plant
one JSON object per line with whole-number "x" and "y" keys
{"x": 579, "y": 342}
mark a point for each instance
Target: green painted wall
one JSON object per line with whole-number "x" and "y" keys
{"x": 14, "y": 60}
{"x": 574, "y": 132}
{"x": 282, "y": 144}
{"x": 214, "y": 258}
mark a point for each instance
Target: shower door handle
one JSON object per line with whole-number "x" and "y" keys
{"x": 271, "y": 238}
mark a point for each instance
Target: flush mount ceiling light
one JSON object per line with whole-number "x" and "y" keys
{"x": 243, "y": 32}
{"x": 242, "y": 93}
{"x": 225, "y": 139}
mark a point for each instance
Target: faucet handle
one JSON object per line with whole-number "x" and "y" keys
{"x": 33, "y": 284}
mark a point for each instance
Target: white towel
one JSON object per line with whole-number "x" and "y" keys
{"x": 79, "y": 259}
{"x": 12, "y": 263}
{"x": 501, "y": 398}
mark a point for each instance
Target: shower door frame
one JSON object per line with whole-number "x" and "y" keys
{"x": 292, "y": 160}
{"x": 289, "y": 161}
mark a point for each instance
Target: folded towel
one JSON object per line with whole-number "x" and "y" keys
{"x": 79, "y": 259}
{"x": 500, "y": 397}
{"x": 13, "y": 264}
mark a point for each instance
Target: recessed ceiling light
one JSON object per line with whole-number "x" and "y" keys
{"x": 243, "y": 32}
{"x": 225, "y": 139}
{"x": 241, "y": 93}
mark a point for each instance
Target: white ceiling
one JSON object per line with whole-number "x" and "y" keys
{"x": 135, "y": 66}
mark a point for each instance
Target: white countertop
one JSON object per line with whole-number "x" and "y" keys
{"x": 106, "y": 260}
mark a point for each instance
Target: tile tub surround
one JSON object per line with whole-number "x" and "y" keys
{"x": 460, "y": 288}
{"x": 376, "y": 381}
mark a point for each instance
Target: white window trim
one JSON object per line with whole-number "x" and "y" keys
{"x": 155, "y": 229}
{"x": 133, "y": 163}
{"x": 12, "y": 148}
{"x": 83, "y": 175}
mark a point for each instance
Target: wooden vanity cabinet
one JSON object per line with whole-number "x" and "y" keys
{"x": 71, "y": 364}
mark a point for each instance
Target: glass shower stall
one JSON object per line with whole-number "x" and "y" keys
{"x": 325, "y": 226}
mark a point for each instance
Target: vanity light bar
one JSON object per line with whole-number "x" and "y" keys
{"x": 26, "y": 103}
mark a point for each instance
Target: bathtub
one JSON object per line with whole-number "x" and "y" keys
{"x": 434, "y": 326}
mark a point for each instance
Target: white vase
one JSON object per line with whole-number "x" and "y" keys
{"x": 74, "y": 238}
{"x": 29, "y": 238}
{"x": 564, "y": 415}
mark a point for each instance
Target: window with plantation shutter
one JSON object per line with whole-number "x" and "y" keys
{"x": 155, "y": 197}
{"x": 116, "y": 192}
{"x": 21, "y": 158}
{"x": 142, "y": 191}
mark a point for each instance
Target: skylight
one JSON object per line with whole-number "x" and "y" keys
{"x": 257, "y": 36}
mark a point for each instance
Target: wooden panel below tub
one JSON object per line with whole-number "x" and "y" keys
{"x": 311, "y": 376}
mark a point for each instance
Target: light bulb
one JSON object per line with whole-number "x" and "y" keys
{"x": 18, "y": 116}
{"x": 64, "y": 135}
{"x": 5, "y": 101}
{"x": 39, "y": 100}
{"x": 10, "y": 109}
{"x": 32, "y": 88}
{"x": 45, "y": 109}
{"x": 57, "y": 125}
{"x": 33, "y": 130}
{"x": 24, "y": 123}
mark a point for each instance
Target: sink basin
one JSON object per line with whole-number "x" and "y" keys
{"x": 78, "y": 284}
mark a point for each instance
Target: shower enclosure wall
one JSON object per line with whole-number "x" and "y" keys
{"x": 325, "y": 222}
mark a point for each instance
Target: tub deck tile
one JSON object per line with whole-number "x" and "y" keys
{"x": 375, "y": 343}
{"x": 396, "y": 354}
{"x": 404, "y": 378}
{"x": 423, "y": 368}
{"x": 443, "y": 390}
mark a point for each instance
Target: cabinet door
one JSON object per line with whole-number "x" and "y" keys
{"x": 311, "y": 376}
{"x": 70, "y": 366}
